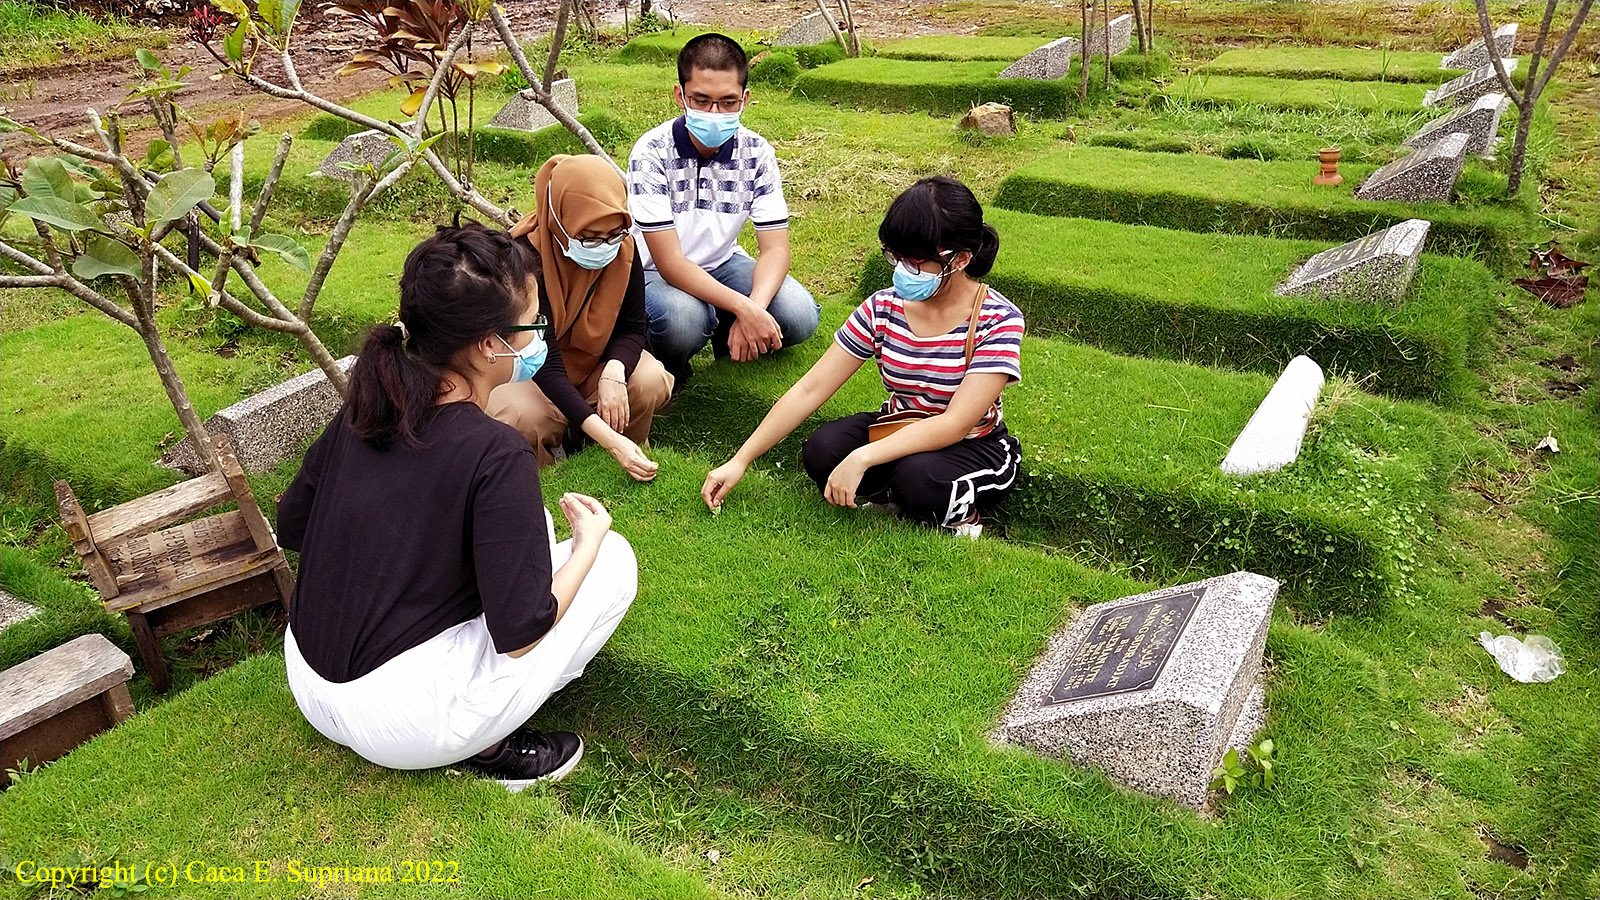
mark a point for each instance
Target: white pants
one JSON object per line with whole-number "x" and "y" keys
{"x": 454, "y": 696}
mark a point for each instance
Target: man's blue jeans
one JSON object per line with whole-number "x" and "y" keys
{"x": 680, "y": 323}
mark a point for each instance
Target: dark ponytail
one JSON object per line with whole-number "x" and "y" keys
{"x": 457, "y": 286}
{"x": 938, "y": 215}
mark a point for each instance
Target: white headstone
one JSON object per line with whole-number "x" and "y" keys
{"x": 523, "y": 113}
{"x": 1047, "y": 62}
{"x": 1428, "y": 174}
{"x": 1476, "y": 54}
{"x": 1120, "y": 31}
{"x": 808, "y": 30}
{"x": 1152, "y": 689}
{"x": 13, "y": 610}
{"x": 1377, "y": 268}
{"x": 268, "y": 427}
{"x": 1272, "y": 437}
{"x": 1469, "y": 87}
{"x": 364, "y": 148}
{"x": 1480, "y": 122}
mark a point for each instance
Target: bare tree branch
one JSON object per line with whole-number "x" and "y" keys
{"x": 1494, "y": 53}
{"x": 439, "y": 75}
{"x": 259, "y": 214}
{"x": 1564, "y": 46}
{"x": 541, "y": 93}
{"x": 359, "y": 198}
{"x": 558, "y": 39}
{"x": 51, "y": 254}
{"x": 838, "y": 35}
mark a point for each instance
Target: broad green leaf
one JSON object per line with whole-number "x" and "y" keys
{"x": 46, "y": 176}
{"x": 104, "y": 256}
{"x": 158, "y": 155}
{"x": 199, "y": 285}
{"x": 177, "y": 193}
{"x": 287, "y": 10}
{"x": 63, "y": 214}
{"x": 235, "y": 8}
{"x": 286, "y": 247}
{"x": 233, "y": 44}
{"x": 147, "y": 60}
{"x": 270, "y": 11}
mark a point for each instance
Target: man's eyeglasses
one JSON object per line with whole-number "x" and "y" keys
{"x": 706, "y": 104}
{"x": 538, "y": 326}
{"x": 915, "y": 265}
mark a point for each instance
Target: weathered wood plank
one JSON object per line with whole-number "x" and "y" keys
{"x": 164, "y": 507}
{"x": 58, "y": 679}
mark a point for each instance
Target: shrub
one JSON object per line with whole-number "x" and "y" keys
{"x": 1168, "y": 145}
{"x": 1337, "y": 63}
{"x": 1252, "y": 148}
{"x": 778, "y": 69}
{"x": 942, "y": 88}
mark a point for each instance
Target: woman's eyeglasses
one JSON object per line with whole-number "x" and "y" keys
{"x": 595, "y": 243}
{"x": 538, "y": 326}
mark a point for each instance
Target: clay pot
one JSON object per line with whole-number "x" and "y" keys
{"x": 1329, "y": 157}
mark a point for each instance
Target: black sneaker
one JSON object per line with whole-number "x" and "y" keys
{"x": 527, "y": 756}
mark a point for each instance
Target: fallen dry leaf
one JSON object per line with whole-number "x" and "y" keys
{"x": 865, "y": 881}
{"x": 1559, "y": 291}
{"x": 1549, "y": 443}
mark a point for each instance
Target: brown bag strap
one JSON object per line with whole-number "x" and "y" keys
{"x": 972, "y": 320}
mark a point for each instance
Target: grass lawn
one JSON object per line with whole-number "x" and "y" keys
{"x": 949, "y": 88}
{"x": 1245, "y": 196}
{"x": 1209, "y": 299}
{"x": 1305, "y": 94}
{"x": 1340, "y": 63}
{"x": 958, "y": 48}
{"x": 36, "y": 34}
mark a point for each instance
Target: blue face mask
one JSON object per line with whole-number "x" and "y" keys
{"x": 587, "y": 257}
{"x": 917, "y": 285}
{"x": 711, "y": 129}
{"x": 525, "y": 362}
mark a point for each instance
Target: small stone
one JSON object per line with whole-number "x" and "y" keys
{"x": 1476, "y": 54}
{"x": 993, "y": 119}
{"x": 1428, "y": 174}
{"x": 13, "y": 610}
{"x": 1048, "y": 62}
{"x": 523, "y": 113}
{"x": 1151, "y": 689}
{"x": 1272, "y": 437}
{"x": 1377, "y": 268}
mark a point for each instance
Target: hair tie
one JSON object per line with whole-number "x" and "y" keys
{"x": 405, "y": 333}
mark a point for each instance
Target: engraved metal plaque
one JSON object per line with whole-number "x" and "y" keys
{"x": 1126, "y": 649}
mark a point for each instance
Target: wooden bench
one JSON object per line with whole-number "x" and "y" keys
{"x": 61, "y": 698}
{"x": 167, "y": 571}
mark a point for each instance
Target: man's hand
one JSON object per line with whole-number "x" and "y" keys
{"x": 754, "y": 332}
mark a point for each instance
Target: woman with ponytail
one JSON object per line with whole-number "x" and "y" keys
{"x": 434, "y": 610}
{"x": 946, "y": 345}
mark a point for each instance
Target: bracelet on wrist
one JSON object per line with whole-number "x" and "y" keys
{"x": 621, "y": 381}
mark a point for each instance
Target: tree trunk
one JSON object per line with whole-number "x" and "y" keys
{"x": 324, "y": 360}
{"x": 1150, "y": 23}
{"x": 177, "y": 394}
{"x": 1085, "y": 10}
{"x": 1519, "y": 146}
{"x": 1105, "y": 31}
{"x": 1138, "y": 26}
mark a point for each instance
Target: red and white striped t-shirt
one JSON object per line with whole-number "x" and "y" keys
{"x": 924, "y": 372}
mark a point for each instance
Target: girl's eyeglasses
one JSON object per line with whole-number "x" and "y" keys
{"x": 539, "y": 326}
{"x": 915, "y": 265}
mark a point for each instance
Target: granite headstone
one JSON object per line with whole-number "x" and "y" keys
{"x": 363, "y": 148}
{"x": 1120, "y": 31}
{"x": 1480, "y": 122}
{"x": 268, "y": 427}
{"x": 1426, "y": 174}
{"x": 1272, "y": 437}
{"x": 1047, "y": 62}
{"x": 808, "y": 30}
{"x": 523, "y": 113}
{"x": 1151, "y": 689}
{"x": 1377, "y": 268}
{"x": 1476, "y": 54}
{"x": 1469, "y": 87}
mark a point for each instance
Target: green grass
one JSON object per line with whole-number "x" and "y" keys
{"x": 661, "y": 47}
{"x": 1340, "y": 63}
{"x": 951, "y": 88}
{"x": 1242, "y": 196}
{"x": 1208, "y": 299}
{"x": 37, "y": 35}
{"x": 1121, "y": 466}
{"x": 1287, "y": 93}
{"x": 958, "y": 48}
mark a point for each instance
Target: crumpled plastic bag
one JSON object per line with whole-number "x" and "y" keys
{"x": 1533, "y": 661}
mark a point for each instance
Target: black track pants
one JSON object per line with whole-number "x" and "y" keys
{"x": 938, "y": 487}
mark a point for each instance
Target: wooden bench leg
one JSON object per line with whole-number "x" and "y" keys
{"x": 118, "y": 704}
{"x": 150, "y": 651}
{"x": 284, "y": 580}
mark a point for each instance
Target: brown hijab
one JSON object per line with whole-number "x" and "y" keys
{"x": 583, "y": 192}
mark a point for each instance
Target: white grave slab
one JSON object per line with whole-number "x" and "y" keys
{"x": 1272, "y": 437}
{"x": 1428, "y": 174}
{"x": 523, "y": 113}
{"x": 1048, "y": 62}
{"x": 808, "y": 30}
{"x": 1480, "y": 122}
{"x": 1377, "y": 268}
{"x": 1151, "y": 689}
{"x": 1476, "y": 54}
{"x": 1469, "y": 87}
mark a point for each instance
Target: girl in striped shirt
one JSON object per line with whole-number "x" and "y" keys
{"x": 946, "y": 346}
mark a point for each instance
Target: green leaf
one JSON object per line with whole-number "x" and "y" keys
{"x": 286, "y": 247}
{"x": 235, "y": 8}
{"x": 63, "y": 214}
{"x": 148, "y": 60}
{"x": 286, "y": 13}
{"x": 270, "y": 10}
{"x": 233, "y": 44}
{"x": 104, "y": 256}
{"x": 158, "y": 155}
{"x": 176, "y": 194}
{"x": 45, "y": 176}
{"x": 199, "y": 285}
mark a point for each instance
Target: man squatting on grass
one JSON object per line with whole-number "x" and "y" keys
{"x": 692, "y": 184}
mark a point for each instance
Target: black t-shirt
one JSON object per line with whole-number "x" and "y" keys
{"x": 398, "y": 545}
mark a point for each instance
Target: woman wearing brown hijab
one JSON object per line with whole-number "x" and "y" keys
{"x": 591, "y": 287}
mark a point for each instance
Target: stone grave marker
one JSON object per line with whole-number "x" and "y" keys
{"x": 13, "y": 610}
{"x": 1121, "y": 32}
{"x": 1047, "y": 62}
{"x": 1476, "y": 54}
{"x": 523, "y": 113}
{"x": 1469, "y": 87}
{"x": 1480, "y": 122}
{"x": 268, "y": 427}
{"x": 808, "y": 30}
{"x": 1152, "y": 689}
{"x": 1272, "y": 437}
{"x": 1427, "y": 174}
{"x": 1377, "y": 268}
{"x": 362, "y": 148}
